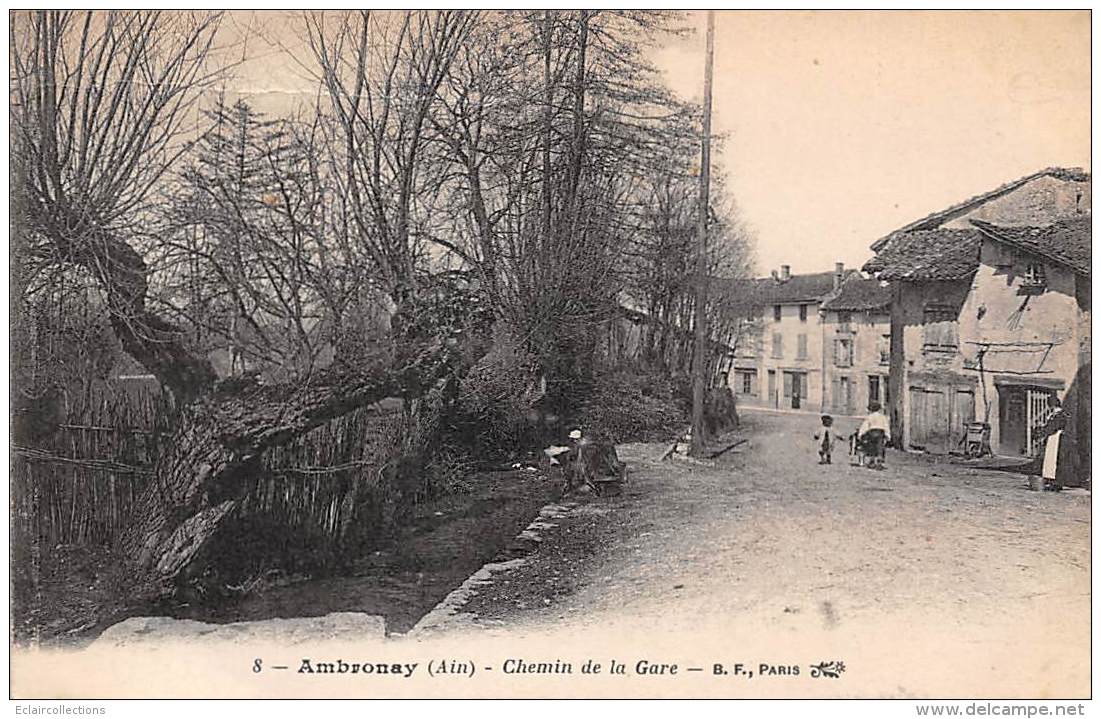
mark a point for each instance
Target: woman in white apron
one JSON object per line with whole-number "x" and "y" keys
{"x": 1054, "y": 428}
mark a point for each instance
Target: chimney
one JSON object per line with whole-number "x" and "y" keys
{"x": 775, "y": 276}
{"x": 838, "y": 274}
{"x": 785, "y": 273}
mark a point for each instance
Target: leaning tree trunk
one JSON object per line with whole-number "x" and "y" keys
{"x": 217, "y": 449}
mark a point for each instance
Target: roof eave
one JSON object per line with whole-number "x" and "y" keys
{"x": 989, "y": 231}
{"x": 1068, "y": 174}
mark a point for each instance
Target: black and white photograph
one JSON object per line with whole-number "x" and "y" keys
{"x": 551, "y": 354}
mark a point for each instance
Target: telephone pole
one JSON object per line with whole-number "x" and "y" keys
{"x": 699, "y": 355}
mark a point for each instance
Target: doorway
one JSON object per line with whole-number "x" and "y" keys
{"x": 1022, "y": 412}
{"x": 939, "y": 415}
{"x": 795, "y": 389}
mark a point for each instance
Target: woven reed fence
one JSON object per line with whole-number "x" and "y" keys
{"x": 320, "y": 495}
{"x": 78, "y": 486}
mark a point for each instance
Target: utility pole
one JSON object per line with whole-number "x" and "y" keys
{"x": 699, "y": 355}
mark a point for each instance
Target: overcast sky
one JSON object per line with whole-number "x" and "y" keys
{"x": 842, "y": 126}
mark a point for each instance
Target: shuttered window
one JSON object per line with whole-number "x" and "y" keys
{"x": 940, "y": 330}
{"x": 801, "y": 349}
{"x": 777, "y": 345}
{"x": 884, "y": 347}
{"x": 843, "y": 352}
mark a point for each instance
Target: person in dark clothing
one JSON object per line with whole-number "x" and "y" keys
{"x": 825, "y": 440}
{"x": 1055, "y": 462}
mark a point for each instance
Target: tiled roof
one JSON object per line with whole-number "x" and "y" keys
{"x": 797, "y": 289}
{"x": 929, "y": 222}
{"x": 857, "y": 294}
{"x": 927, "y": 255}
{"x": 1066, "y": 242}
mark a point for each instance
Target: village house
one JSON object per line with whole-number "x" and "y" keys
{"x": 782, "y": 365}
{"x": 856, "y": 326}
{"x": 990, "y": 317}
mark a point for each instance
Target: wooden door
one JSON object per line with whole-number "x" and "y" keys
{"x": 773, "y": 401}
{"x": 963, "y": 414}
{"x": 929, "y": 419}
{"x": 918, "y": 431}
{"x": 936, "y": 420}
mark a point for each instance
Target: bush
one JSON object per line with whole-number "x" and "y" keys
{"x": 495, "y": 400}
{"x": 631, "y": 405}
{"x": 448, "y": 472}
{"x": 640, "y": 405}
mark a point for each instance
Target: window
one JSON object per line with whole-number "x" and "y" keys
{"x": 884, "y": 347}
{"x": 1034, "y": 276}
{"x": 777, "y": 345}
{"x": 843, "y": 352}
{"x": 940, "y": 329}
{"x": 844, "y": 320}
{"x": 873, "y": 389}
{"x": 802, "y": 313}
{"x": 801, "y": 349}
{"x": 745, "y": 381}
{"x": 842, "y": 394}
{"x": 777, "y": 311}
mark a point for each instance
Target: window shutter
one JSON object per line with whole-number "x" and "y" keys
{"x": 940, "y": 330}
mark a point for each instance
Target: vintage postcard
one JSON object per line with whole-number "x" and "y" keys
{"x": 550, "y": 354}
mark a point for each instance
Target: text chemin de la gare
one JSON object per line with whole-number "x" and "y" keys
{"x": 520, "y": 666}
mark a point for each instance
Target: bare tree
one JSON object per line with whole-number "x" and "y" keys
{"x": 253, "y": 258}
{"x": 545, "y": 170}
{"x": 100, "y": 102}
{"x": 430, "y": 139}
{"x": 381, "y": 73}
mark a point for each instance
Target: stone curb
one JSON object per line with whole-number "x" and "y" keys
{"x": 448, "y": 614}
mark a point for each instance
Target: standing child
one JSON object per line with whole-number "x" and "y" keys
{"x": 825, "y": 440}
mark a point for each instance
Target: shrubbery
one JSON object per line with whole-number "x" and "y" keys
{"x": 630, "y": 405}
{"x": 492, "y": 416}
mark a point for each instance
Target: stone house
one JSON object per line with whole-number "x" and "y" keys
{"x": 856, "y": 326}
{"x": 782, "y": 367}
{"x": 990, "y": 315}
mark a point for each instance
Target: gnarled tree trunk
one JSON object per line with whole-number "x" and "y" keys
{"x": 216, "y": 452}
{"x": 210, "y": 463}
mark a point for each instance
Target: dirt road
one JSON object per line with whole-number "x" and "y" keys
{"x": 927, "y": 578}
